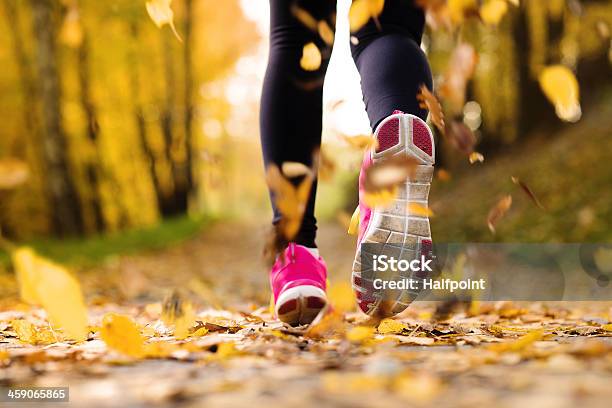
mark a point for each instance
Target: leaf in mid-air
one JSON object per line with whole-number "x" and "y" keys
{"x": 560, "y": 86}
{"x": 498, "y": 211}
{"x": 50, "y": 285}
{"x": 161, "y": 13}
{"x": 311, "y": 57}
{"x": 362, "y": 11}
{"x": 492, "y": 11}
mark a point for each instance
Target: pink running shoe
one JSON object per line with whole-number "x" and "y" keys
{"x": 401, "y": 233}
{"x": 298, "y": 282}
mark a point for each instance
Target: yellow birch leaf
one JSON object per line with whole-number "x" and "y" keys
{"x": 121, "y": 334}
{"x": 202, "y": 331}
{"x": 360, "y": 334}
{"x": 493, "y": 11}
{"x": 13, "y": 172}
{"x": 362, "y": 11}
{"x": 354, "y": 224}
{"x": 25, "y": 330}
{"x": 476, "y": 157}
{"x": 419, "y": 210}
{"x": 390, "y": 326}
{"x": 311, "y": 57}
{"x": 50, "y": 285}
{"x": 560, "y": 86}
{"x": 520, "y": 343}
{"x": 161, "y": 13}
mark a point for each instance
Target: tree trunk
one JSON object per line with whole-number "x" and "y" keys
{"x": 93, "y": 165}
{"x": 188, "y": 74}
{"x": 61, "y": 192}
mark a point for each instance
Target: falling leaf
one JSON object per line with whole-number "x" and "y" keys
{"x": 428, "y": 100}
{"x": 527, "y": 191}
{"x": 161, "y": 13}
{"x": 419, "y": 210}
{"x": 294, "y": 169}
{"x": 362, "y": 11}
{"x": 437, "y": 14}
{"x": 460, "y": 9}
{"x": 492, "y": 11}
{"x": 443, "y": 175}
{"x": 71, "y": 32}
{"x": 386, "y": 174}
{"x": 330, "y": 324}
{"x": 325, "y": 32}
{"x": 341, "y": 297}
{"x": 460, "y": 136}
{"x": 13, "y": 172}
{"x": 360, "y": 142}
{"x": 311, "y": 57}
{"x": 476, "y": 157}
{"x": 48, "y": 284}
{"x": 354, "y": 224}
{"x": 290, "y": 200}
{"x": 460, "y": 69}
{"x": 120, "y": 333}
{"x": 560, "y": 86}
{"x": 498, "y": 211}
{"x": 327, "y": 167}
{"x": 360, "y": 334}
{"x": 391, "y": 326}
{"x": 304, "y": 17}
{"x": 380, "y": 198}
{"x": 179, "y": 313}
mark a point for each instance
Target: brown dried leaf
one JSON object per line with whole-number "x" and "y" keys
{"x": 428, "y": 100}
{"x": 460, "y": 136}
{"x": 498, "y": 211}
{"x": 527, "y": 191}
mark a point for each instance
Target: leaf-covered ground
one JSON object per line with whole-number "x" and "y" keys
{"x": 500, "y": 354}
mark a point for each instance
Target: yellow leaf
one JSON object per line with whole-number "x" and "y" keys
{"x": 121, "y": 334}
{"x": 50, "y": 285}
{"x": 560, "y": 86}
{"x": 178, "y": 313}
{"x": 362, "y": 11}
{"x": 13, "y": 172}
{"x": 360, "y": 334}
{"x": 295, "y": 169}
{"x": 361, "y": 142}
{"x": 311, "y": 57}
{"x": 607, "y": 327}
{"x": 354, "y": 224}
{"x": 325, "y": 32}
{"x": 202, "y": 331}
{"x": 493, "y": 11}
{"x": 390, "y": 326}
{"x": 419, "y": 210}
{"x": 341, "y": 297}
{"x": 25, "y": 330}
{"x": 380, "y": 198}
{"x": 159, "y": 349}
{"x": 476, "y": 157}
{"x": 227, "y": 350}
{"x": 520, "y": 343}
{"x": 459, "y": 8}
{"x": 161, "y": 13}
{"x": 71, "y": 32}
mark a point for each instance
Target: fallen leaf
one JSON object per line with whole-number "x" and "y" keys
{"x": 420, "y": 387}
{"x": 560, "y": 86}
{"x": 391, "y": 326}
{"x": 518, "y": 344}
{"x": 121, "y": 334}
{"x": 360, "y": 334}
{"x": 498, "y": 211}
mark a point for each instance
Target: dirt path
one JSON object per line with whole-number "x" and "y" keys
{"x": 499, "y": 355}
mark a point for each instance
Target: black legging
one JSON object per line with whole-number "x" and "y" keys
{"x": 389, "y": 60}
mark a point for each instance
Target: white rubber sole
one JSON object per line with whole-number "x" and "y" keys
{"x": 300, "y": 305}
{"x": 404, "y": 234}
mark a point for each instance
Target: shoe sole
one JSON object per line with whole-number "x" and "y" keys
{"x": 403, "y": 234}
{"x": 300, "y": 305}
